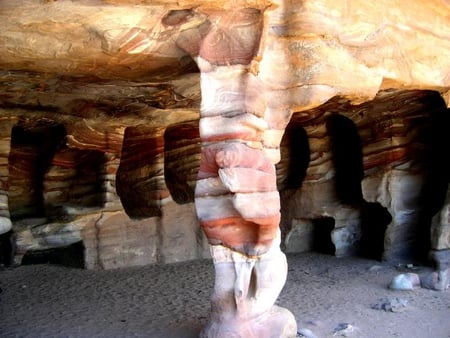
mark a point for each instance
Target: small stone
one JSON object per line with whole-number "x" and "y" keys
{"x": 306, "y": 333}
{"x": 375, "y": 268}
{"x": 343, "y": 329}
{"x": 405, "y": 281}
{"x": 390, "y": 304}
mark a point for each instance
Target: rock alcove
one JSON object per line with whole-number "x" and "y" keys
{"x": 140, "y": 132}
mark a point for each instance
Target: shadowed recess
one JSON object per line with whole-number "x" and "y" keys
{"x": 140, "y": 176}
{"x": 322, "y": 241}
{"x": 7, "y": 248}
{"x": 374, "y": 219}
{"x": 33, "y": 145}
{"x": 347, "y": 158}
{"x": 182, "y": 160}
{"x": 435, "y": 138}
{"x": 75, "y": 178}
{"x": 71, "y": 255}
{"x": 295, "y": 157}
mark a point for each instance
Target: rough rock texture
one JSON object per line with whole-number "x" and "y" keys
{"x": 374, "y": 165}
{"x": 325, "y": 119}
{"x": 121, "y": 76}
{"x": 236, "y": 196}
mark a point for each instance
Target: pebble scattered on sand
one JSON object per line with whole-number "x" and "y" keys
{"x": 306, "y": 333}
{"x": 344, "y": 330}
{"x": 391, "y": 304}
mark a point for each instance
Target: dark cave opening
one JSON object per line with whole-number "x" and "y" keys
{"x": 434, "y": 143}
{"x": 182, "y": 152}
{"x": 295, "y": 157}
{"x": 47, "y": 182}
{"x": 75, "y": 179}
{"x": 45, "y": 175}
{"x": 374, "y": 219}
{"x": 33, "y": 146}
{"x": 322, "y": 242}
{"x": 347, "y": 158}
{"x": 70, "y": 255}
{"x": 291, "y": 169}
{"x": 140, "y": 176}
{"x": 7, "y": 248}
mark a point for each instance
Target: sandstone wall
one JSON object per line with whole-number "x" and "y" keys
{"x": 99, "y": 115}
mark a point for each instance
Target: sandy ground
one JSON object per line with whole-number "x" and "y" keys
{"x": 172, "y": 301}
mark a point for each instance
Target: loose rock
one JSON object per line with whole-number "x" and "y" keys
{"x": 306, "y": 333}
{"x": 391, "y": 304}
{"x": 405, "y": 281}
{"x": 343, "y": 330}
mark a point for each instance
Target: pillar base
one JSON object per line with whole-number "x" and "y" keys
{"x": 245, "y": 290}
{"x": 278, "y": 322}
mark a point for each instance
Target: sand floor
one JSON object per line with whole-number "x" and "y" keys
{"x": 172, "y": 301}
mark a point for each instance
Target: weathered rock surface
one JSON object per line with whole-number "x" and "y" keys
{"x": 437, "y": 280}
{"x": 325, "y": 119}
{"x": 140, "y": 81}
{"x": 391, "y": 304}
{"x": 244, "y": 295}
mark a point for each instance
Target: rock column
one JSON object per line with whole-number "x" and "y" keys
{"x": 5, "y": 146}
{"x": 236, "y": 196}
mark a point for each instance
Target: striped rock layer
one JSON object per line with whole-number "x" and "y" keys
{"x": 137, "y": 64}
{"x": 115, "y": 112}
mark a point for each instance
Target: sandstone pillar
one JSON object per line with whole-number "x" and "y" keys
{"x": 236, "y": 196}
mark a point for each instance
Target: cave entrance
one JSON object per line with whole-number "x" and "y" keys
{"x": 33, "y": 145}
{"x": 182, "y": 152}
{"x": 74, "y": 181}
{"x": 295, "y": 157}
{"x": 291, "y": 170}
{"x": 374, "y": 219}
{"x": 322, "y": 242}
{"x": 48, "y": 185}
{"x": 46, "y": 178}
{"x": 347, "y": 158}
{"x": 433, "y": 141}
{"x": 140, "y": 176}
{"x": 70, "y": 255}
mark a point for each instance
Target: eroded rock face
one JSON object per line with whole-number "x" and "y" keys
{"x": 146, "y": 130}
{"x": 390, "y": 177}
{"x": 236, "y": 197}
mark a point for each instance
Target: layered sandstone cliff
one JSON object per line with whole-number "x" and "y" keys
{"x": 99, "y": 122}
